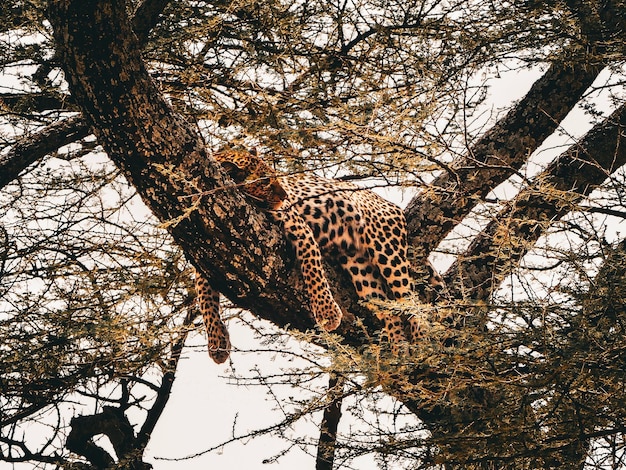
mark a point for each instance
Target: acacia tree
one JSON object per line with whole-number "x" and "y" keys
{"x": 388, "y": 90}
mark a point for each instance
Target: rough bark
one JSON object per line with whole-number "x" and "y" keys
{"x": 230, "y": 241}
{"x": 32, "y": 148}
{"x": 330, "y": 422}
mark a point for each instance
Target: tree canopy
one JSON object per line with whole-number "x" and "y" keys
{"x": 110, "y": 114}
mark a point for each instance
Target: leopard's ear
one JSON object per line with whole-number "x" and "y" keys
{"x": 237, "y": 174}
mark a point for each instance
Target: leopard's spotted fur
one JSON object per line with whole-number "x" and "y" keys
{"x": 363, "y": 231}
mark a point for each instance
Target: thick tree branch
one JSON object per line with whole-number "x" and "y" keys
{"x": 229, "y": 240}
{"x": 33, "y": 148}
{"x": 502, "y": 150}
{"x": 115, "y": 425}
{"x": 146, "y": 17}
{"x": 573, "y": 175}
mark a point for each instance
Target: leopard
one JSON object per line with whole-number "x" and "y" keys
{"x": 332, "y": 219}
{"x": 262, "y": 186}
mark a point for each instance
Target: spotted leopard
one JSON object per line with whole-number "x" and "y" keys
{"x": 331, "y": 218}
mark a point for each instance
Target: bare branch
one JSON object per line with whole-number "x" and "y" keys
{"x": 330, "y": 422}
{"x": 32, "y": 148}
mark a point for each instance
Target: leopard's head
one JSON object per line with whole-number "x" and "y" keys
{"x": 257, "y": 179}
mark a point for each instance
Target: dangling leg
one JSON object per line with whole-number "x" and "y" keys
{"x": 325, "y": 310}
{"x": 390, "y": 259}
{"x": 217, "y": 334}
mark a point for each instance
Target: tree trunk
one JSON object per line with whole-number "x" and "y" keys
{"x": 232, "y": 242}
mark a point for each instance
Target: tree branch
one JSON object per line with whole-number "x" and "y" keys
{"x": 146, "y": 17}
{"x": 33, "y": 148}
{"x": 161, "y": 154}
{"x": 328, "y": 427}
{"x": 573, "y": 175}
{"x": 503, "y": 149}
{"x": 115, "y": 425}
{"x": 167, "y": 381}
